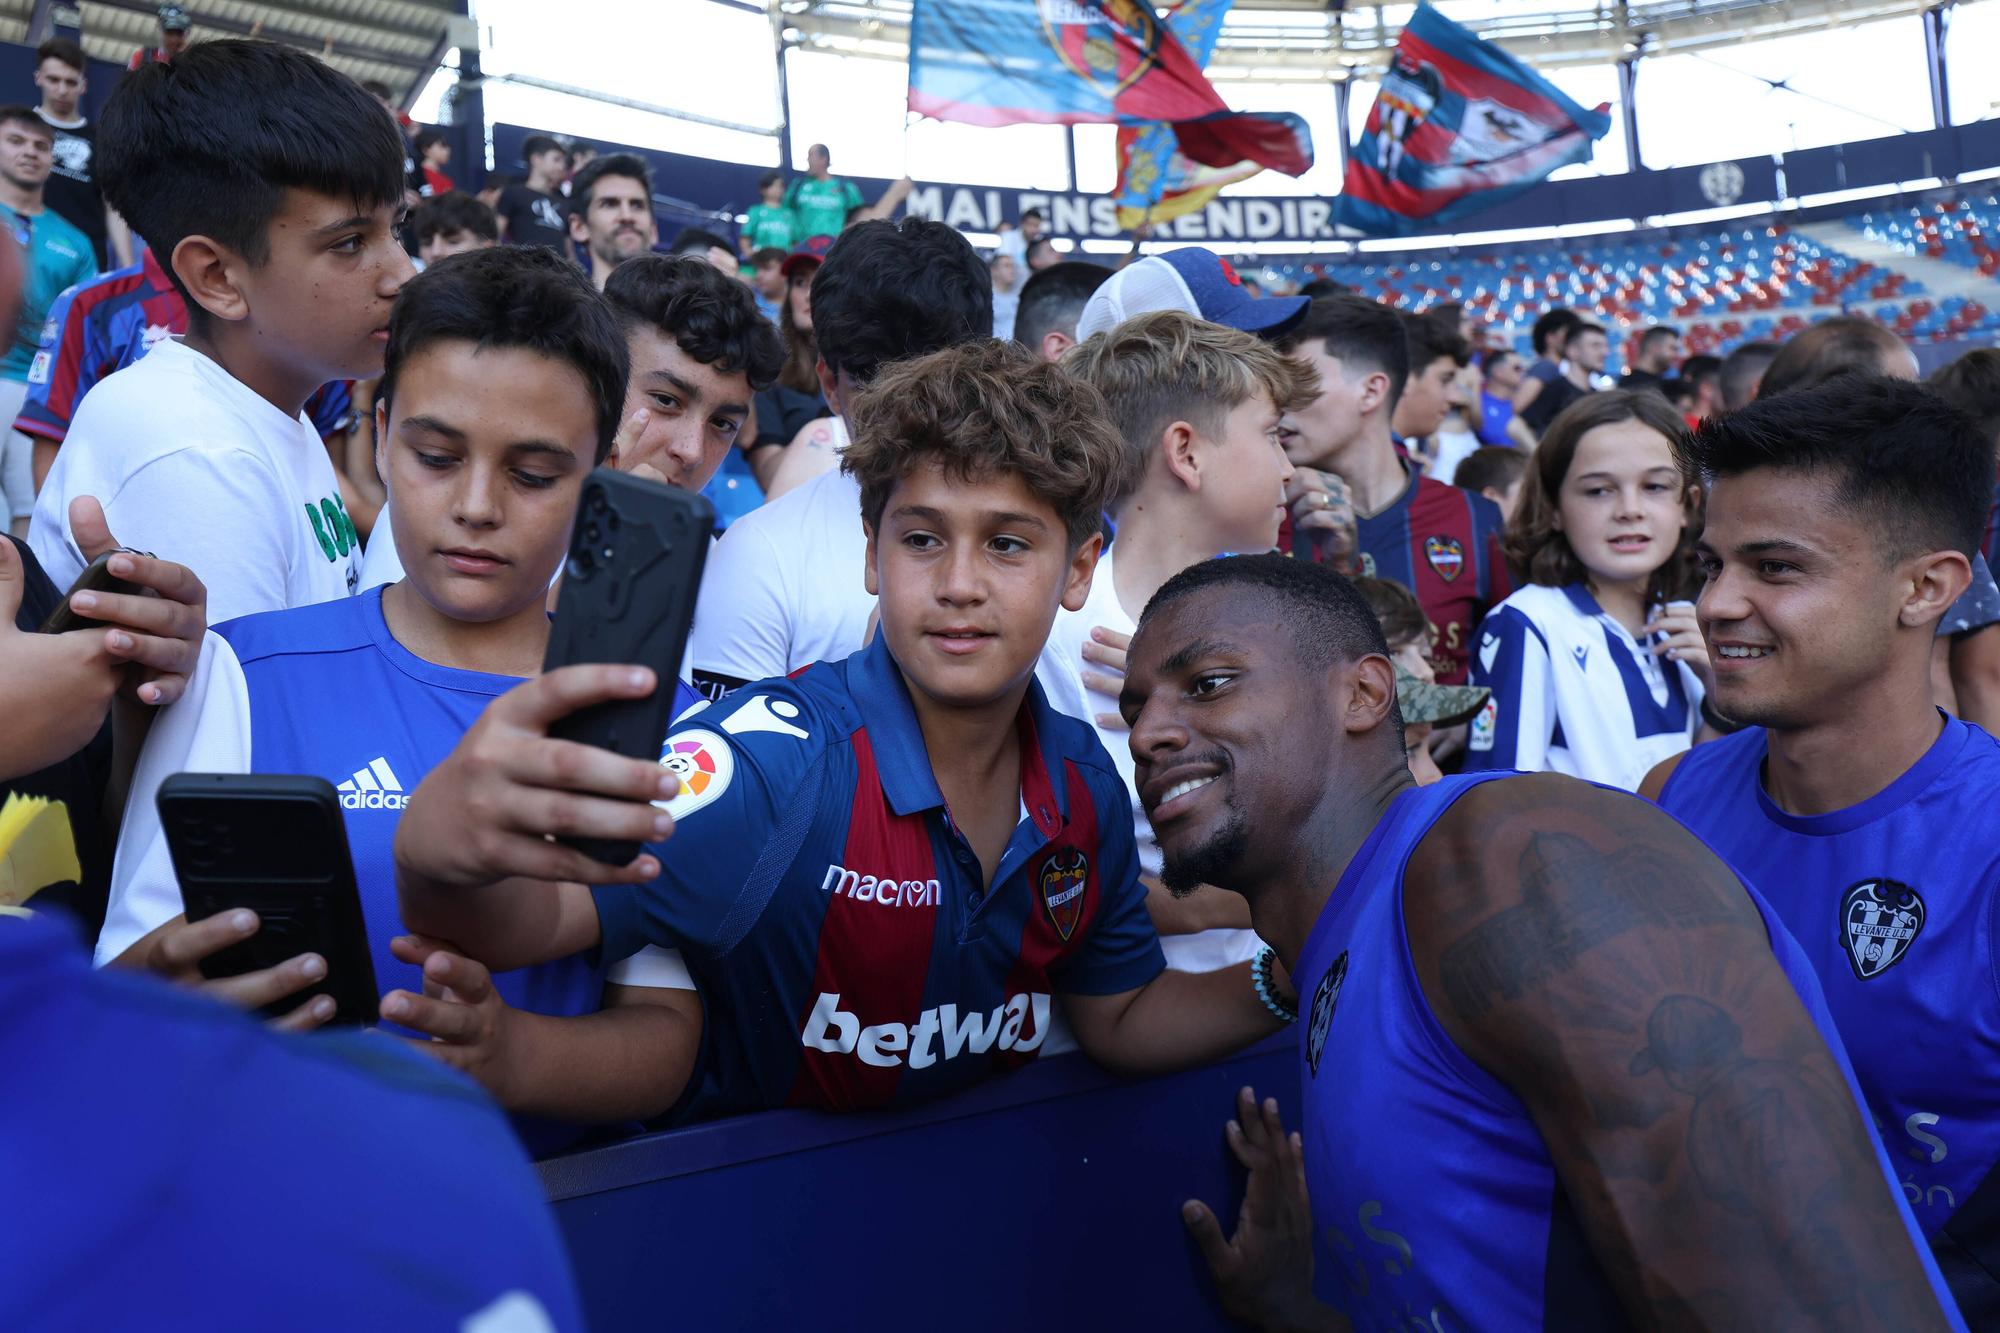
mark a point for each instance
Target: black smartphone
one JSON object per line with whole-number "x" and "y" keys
{"x": 276, "y": 844}
{"x": 96, "y": 577}
{"x": 628, "y": 594}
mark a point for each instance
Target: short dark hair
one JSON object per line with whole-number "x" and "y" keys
{"x": 23, "y": 115}
{"x": 770, "y": 254}
{"x": 1657, "y": 333}
{"x": 207, "y": 146}
{"x": 1912, "y": 465}
{"x": 889, "y": 291}
{"x": 1700, "y": 368}
{"x": 696, "y": 241}
{"x": 768, "y": 179}
{"x": 1328, "y": 619}
{"x": 1743, "y": 371}
{"x": 709, "y": 314}
{"x": 629, "y": 166}
{"x": 1843, "y": 345}
{"x": 1396, "y": 609}
{"x": 1583, "y": 326}
{"x": 428, "y": 135}
{"x": 1972, "y": 385}
{"x": 1432, "y": 337}
{"x": 536, "y": 144}
{"x": 1053, "y": 299}
{"x": 1039, "y": 244}
{"x": 1034, "y": 213}
{"x": 373, "y": 87}
{"x": 63, "y": 49}
{"x": 1319, "y": 287}
{"x": 1359, "y": 333}
{"x": 1492, "y": 354}
{"x": 525, "y": 296}
{"x": 1560, "y": 320}
{"x": 1490, "y": 466}
{"x": 983, "y": 408}
{"x": 442, "y": 214}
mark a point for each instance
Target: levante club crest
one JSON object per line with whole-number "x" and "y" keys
{"x": 1063, "y": 878}
{"x": 1879, "y": 921}
{"x": 1446, "y": 555}
{"x": 1110, "y": 44}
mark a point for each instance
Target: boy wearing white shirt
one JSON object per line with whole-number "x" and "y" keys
{"x": 270, "y": 185}
{"x": 1199, "y": 406}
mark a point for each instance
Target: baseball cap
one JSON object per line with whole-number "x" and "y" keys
{"x": 813, "y": 251}
{"x": 174, "y": 19}
{"x": 1194, "y": 281}
{"x": 1439, "y": 705}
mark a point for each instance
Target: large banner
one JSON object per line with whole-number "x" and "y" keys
{"x": 1459, "y": 126}
{"x": 1074, "y": 62}
{"x": 1156, "y": 181}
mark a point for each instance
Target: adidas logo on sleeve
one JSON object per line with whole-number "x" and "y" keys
{"x": 373, "y": 788}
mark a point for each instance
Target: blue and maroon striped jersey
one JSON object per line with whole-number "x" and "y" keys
{"x": 1443, "y": 544}
{"x": 838, "y": 925}
{"x": 102, "y": 326}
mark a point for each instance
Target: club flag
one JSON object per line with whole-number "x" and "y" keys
{"x": 1077, "y": 62}
{"x": 1459, "y": 125}
{"x": 1156, "y": 181}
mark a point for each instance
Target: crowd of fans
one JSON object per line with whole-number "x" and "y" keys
{"x": 983, "y": 752}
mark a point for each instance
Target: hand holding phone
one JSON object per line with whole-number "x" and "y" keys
{"x": 627, "y": 598}
{"x": 155, "y": 611}
{"x": 276, "y": 846}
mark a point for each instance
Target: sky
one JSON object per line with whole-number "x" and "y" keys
{"x": 717, "y": 61}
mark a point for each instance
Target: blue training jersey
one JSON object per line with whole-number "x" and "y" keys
{"x": 1894, "y": 901}
{"x": 170, "y": 1163}
{"x": 1435, "y": 1202}
{"x": 838, "y": 926}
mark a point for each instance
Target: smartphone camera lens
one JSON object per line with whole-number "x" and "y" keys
{"x": 582, "y": 564}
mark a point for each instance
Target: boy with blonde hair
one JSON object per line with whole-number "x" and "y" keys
{"x": 1198, "y": 405}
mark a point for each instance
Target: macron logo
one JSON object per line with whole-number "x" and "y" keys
{"x": 372, "y": 788}
{"x": 884, "y": 889}
{"x": 883, "y": 1045}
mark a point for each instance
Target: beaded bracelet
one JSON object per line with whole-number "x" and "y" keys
{"x": 1267, "y": 986}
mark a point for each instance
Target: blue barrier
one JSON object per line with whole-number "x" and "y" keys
{"x": 1049, "y": 1199}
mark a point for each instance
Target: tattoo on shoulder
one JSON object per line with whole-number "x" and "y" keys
{"x": 1574, "y": 898}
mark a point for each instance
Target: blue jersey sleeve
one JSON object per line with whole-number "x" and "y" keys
{"x": 1514, "y": 729}
{"x": 750, "y": 771}
{"x": 1122, "y": 951}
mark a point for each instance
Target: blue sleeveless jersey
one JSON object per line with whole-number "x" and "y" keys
{"x": 1435, "y": 1204}
{"x": 1894, "y": 901}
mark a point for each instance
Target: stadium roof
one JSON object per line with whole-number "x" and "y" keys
{"x": 1281, "y": 39}
{"x": 399, "y": 42}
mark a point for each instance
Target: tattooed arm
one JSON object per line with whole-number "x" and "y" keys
{"x": 1599, "y": 960}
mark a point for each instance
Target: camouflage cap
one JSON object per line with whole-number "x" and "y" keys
{"x": 1439, "y": 705}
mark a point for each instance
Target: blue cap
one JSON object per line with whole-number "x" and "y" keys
{"x": 1195, "y": 281}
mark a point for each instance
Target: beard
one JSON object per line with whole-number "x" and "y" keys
{"x": 1214, "y": 861}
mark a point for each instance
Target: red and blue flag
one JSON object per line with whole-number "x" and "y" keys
{"x": 1459, "y": 125}
{"x": 1074, "y": 62}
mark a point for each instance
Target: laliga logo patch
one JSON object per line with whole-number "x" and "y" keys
{"x": 1879, "y": 920}
{"x": 704, "y": 764}
{"x": 1325, "y": 996}
{"x": 1485, "y": 726}
{"x": 1447, "y": 557}
{"x": 1063, "y": 878}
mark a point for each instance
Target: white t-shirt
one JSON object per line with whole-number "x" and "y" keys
{"x": 784, "y": 588}
{"x": 1204, "y": 951}
{"x": 193, "y": 466}
{"x": 380, "y": 564}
